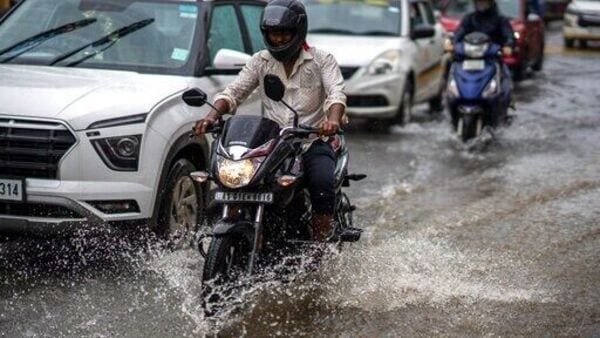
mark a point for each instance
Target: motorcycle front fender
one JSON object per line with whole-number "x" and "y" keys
{"x": 226, "y": 228}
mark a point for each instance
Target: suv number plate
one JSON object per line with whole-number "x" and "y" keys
{"x": 244, "y": 197}
{"x": 11, "y": 190}
{"x": 473, "y": 65}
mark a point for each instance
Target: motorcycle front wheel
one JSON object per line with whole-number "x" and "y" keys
{"x": 469, "y": 126}
{"x": 226, "y": 264}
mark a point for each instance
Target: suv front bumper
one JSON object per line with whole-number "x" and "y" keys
{"x": 55, "y": 207}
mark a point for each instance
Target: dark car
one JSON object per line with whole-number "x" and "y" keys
{"x": 526, "y": 23}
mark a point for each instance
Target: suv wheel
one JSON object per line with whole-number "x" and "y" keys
{"x": 181, "y": 205}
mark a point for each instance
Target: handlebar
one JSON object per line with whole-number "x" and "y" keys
{"x": 216, "y": 128}
{"x": 304, "y": 131}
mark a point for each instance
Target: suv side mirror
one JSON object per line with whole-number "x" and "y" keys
{"x": 422, "y": 31}
{"x": 227, "y": 62}
{"x": 230, "y": 59}
{"x": 194, "y": 97}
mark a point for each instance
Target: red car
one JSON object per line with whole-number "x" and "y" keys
{"x": 527, "y": 25}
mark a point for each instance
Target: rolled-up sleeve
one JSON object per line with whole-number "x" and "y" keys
{"x": 244, "y": 84}
{"x": 333, "y": 83}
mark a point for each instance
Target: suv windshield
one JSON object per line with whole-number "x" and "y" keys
{"x": 373, "y": 18}
{"x": 145, "y": 36}
{"x": 458, "y": 8}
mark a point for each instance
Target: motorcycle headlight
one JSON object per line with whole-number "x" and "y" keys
{"x": 453, "y": 88}
{"x": 385, "y": 63}
{"x": 237, "y": 174}
{"x": 491, "y": 89}
{"x": 476, "y": 51}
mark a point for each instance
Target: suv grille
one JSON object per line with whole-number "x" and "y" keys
{"x": 32, "y": 148}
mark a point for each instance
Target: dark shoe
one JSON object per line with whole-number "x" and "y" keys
{"x": 322, "y": 227}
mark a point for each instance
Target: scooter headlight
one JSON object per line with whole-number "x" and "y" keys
{"x": 491, "y": 89}
{"x": 453, "y": 88}
{"x": 476, "y": 51}
{"x": 237, "y": 174}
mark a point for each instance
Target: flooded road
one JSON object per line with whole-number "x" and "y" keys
{"x": 502, "y": 239}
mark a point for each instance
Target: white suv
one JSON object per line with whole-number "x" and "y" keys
{"x": 93, "y": 128}
{"x": 391, "y": 53}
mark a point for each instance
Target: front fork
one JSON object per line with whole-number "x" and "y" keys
{"x": 258, "y": 233}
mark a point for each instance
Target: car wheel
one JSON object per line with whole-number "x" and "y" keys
{"x": 539, "y": 63}
{"x": 181, "y": 206}
{"x": 519, "y": 72}
{"x": 569, "y": 43}
{"x": 404, "y": 114}
{"x": 437, "y": 104}
{"x": 583, "y": 43}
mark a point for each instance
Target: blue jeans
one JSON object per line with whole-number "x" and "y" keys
{"x": 319, "y": 167}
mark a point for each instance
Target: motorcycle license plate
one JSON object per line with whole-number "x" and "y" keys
{"x": 244, "y": 197}
{"x": 473, "y": 65}
{"x": 12, "y": 190}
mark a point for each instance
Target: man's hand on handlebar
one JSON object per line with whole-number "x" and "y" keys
{"x": 205, "y": 123}
{"x": 329, "y": 128}
{"x": 507, "y": 51}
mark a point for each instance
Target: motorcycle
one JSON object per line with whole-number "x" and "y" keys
{"x": 265, "y": 206}
{"x": 480, "y": 88}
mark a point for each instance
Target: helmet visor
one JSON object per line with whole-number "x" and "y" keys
{"x": 279, "y": 18}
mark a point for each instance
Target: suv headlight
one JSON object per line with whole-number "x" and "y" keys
{"x": 119, "y": 153}
{"x": 237, "y": 174}
{"x": 476, "y": 51}
{"x": 385, "y": 63}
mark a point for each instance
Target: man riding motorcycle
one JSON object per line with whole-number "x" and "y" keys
{"x": 487, "y": 19}
{"x": 314, "y": 87}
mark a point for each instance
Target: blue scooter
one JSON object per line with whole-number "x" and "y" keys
{"x": 480, "y": 87}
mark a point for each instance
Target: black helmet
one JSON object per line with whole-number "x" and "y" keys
{"x": 284, "y": 15}
{"x": 491, "y": 8}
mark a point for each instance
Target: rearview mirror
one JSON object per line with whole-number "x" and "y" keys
{"x": 422, "y": 31}
{"x": 194, "y": 97}
{"x": 274, "y": 88}
{"x": 230, "y": 59}
{"x": 533, "y": 17}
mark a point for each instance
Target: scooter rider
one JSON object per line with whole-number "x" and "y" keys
{"x": 314, "y": 88}
{"x": 487, "y": 19}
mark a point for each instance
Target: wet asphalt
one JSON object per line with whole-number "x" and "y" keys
{"x": 501, "y": 238}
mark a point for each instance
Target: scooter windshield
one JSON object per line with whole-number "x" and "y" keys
{"x": 249, "y": 131}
